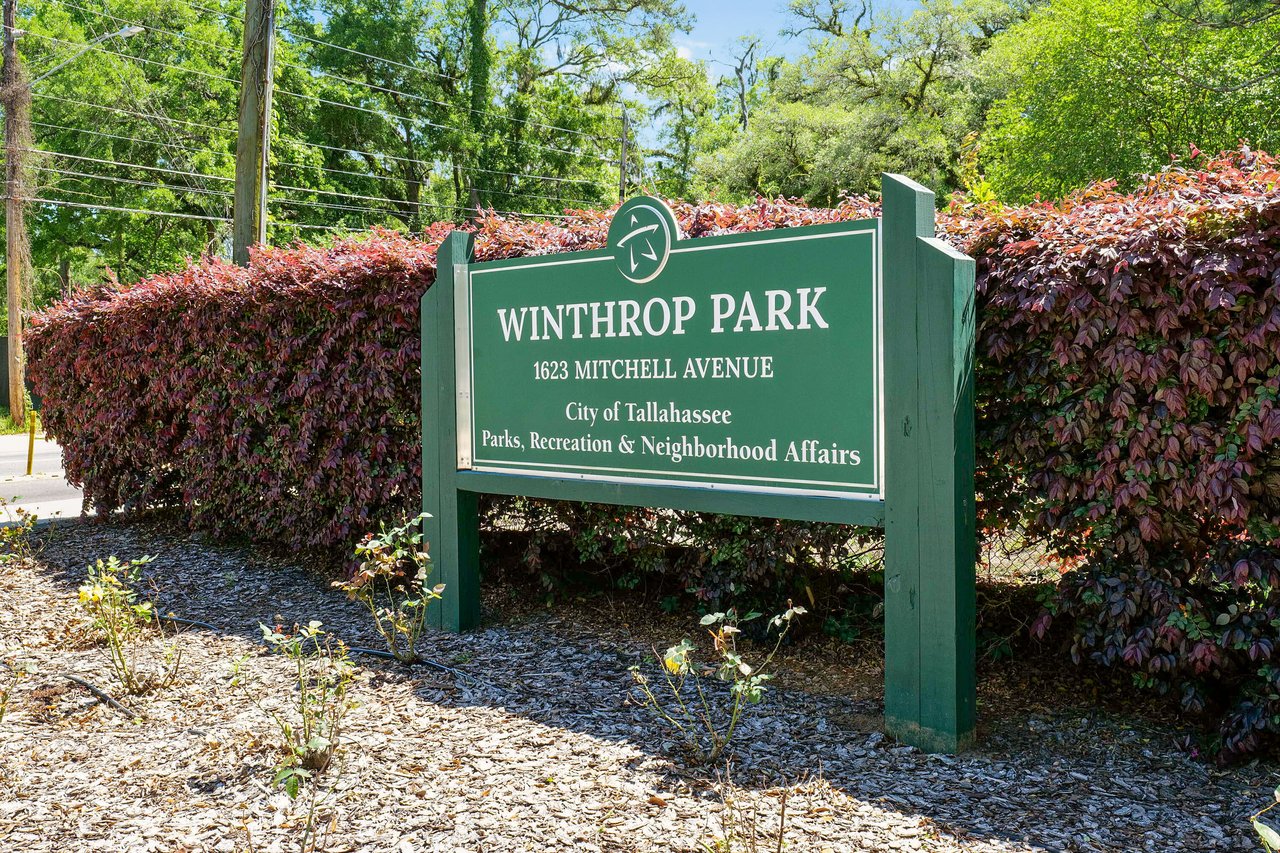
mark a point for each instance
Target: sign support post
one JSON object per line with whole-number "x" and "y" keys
{"x": 453, "y": 526}
{"x": 930, "y": 523}
{"x": 662, "y": 373}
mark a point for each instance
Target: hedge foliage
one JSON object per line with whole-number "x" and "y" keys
{"x": 1129, "y": 364}
{"x": 280, "y": 401}
{"x": 1129, "y": 361}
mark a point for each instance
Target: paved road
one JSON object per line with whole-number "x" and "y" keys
{"x": 45, "y": 492}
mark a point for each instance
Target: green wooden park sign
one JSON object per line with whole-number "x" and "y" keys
{"x": 822, "y": 373}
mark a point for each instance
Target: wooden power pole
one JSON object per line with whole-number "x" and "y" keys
{"x": 622, "y": 161}
{"x": 17, "y": 100}
{"x": 253, "y": 140}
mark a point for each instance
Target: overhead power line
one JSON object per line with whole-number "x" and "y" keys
{"x": 98, "y": 48}
{"x": 175, "y": 214}
{"x": 369, "y": 175}
{"x": 132, "y": 181}
{"x": 383, "y": 114}
{"x": 106, "y": 162}
{"x": 397, "y": 158}
{"x": 503, "y": 114}
{"x": 430, "y": 72}
{"x": 344, "y": 194}
{"x": 232, "y": 49}
{"x": 158, "y": 142}
{"x": 135, "y": 113}
{"x": 389, "y": 116}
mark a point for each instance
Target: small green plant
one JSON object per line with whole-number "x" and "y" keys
{"x": 11, "y": 676}
{"x": 1269, "y": 837}
{"x": 391, "y": 584}
{"x": 705, "y": 718}
{"x": 108, "y": 596}
{"x": 310, "y": 722}
{"x": 15, "y": 535}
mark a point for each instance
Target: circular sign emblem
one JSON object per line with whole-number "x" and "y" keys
{"x": 640, "y": 237}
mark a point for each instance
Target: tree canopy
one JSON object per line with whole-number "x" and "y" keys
{"x": 399, "y": 113}
{"x": 1093, "y": 89}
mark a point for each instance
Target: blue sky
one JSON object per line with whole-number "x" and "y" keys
{"x": 720, "y": 22}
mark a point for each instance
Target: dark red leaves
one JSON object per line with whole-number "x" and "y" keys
{"x": 1128, "y": 372}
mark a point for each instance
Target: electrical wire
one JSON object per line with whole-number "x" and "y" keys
{"x": 149, "y": 27}
{"x": 134, "y": 113}
{"x": 330, "y": 75}
{"x": 160, "y": 121}
{"x": 78, "y": 192}
{"x": 397, "y": 158}
{"x": 383, "y": 114}
{"x": 62, "y": 203}
{"x": 132, "y": 181}
{"x": 465, "y": 209}
{"x": 506, "y": 193}
{"x": 342, "y": 194}
{"x": 139, "y": 141}
{"x": 329, "y": 169}
{"x": 417, "y": 70}
{"x": 332, "y": 206}
{"x": 100, "y": 49}
{"x": 497, "y": 113}
{"x": 105, "y": 162}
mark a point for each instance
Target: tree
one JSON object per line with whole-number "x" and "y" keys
{"x": 1093, "y": 89}
{"x": 876, "y": 92}
{"x": 689, "y": 128}
{"x": 394, "y": 113}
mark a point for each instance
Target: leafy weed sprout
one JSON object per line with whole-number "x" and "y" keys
{"x": 310, "y": 723}
{"x": 15, "y": 534}
{"x": 1269, "y": 837}
{"x": 706, "y": 719}
{"x": 11, "y": 676}
{"x": 391, "y": 584}
{"x": 108, "y": 596}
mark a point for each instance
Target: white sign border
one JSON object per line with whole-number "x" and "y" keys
{"x": 464, "y": 276}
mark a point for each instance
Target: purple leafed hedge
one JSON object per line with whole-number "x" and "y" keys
{"x": 1128, "y": 374}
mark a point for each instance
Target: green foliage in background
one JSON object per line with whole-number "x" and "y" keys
{"x": 401, "y": 113}
{"x": 510, "y": 105}
{"x": 1095, "y": 89}
{"x": 877, "y": 91}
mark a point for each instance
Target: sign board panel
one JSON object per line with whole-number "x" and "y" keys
{"x": 822, "y": 374}
{"x": 749, "y": 362}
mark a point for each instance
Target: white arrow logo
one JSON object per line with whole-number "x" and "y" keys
{"x": 641, "y": 250}
{"x": 651, "y": 254}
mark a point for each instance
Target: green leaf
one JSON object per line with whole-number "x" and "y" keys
{"x": 1269, "y": 836}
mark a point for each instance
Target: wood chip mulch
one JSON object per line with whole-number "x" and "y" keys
{"x": 541, "y": 746}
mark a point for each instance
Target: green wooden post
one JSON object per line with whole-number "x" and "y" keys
{"x": 453, "y": 530}
{"x": 929, "y": 505}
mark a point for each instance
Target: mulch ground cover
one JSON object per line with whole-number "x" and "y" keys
{"x": 531, "y": 738}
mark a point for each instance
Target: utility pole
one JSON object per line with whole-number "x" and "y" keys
{"x": 253, "y": 140}
{"x": 17, "y": 101}
{"x": 622, "y": 162}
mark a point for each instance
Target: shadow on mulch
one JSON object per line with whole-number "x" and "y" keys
{"x": 1052, "y": 740}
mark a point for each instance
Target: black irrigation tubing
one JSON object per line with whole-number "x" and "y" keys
{"x": 193, "y": 622}
{"x": 429, "y": 664}
{"x": 99, "y": 694}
